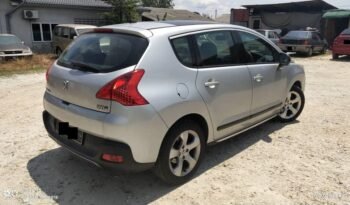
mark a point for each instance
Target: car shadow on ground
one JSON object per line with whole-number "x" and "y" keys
{"x": 70, "y": 180}
{"x": 300, "y": 55}
{"x": 342, "y": 59}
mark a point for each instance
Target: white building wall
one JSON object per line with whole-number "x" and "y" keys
{"x": 4, "y": 8}
{"x": 23, "y": 27}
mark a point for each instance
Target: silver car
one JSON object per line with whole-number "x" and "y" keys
{"x": 12, "y": 47}
{"x": 154, "y": 94}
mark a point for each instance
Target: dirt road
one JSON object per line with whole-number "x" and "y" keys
{"x": 307, "y": 162}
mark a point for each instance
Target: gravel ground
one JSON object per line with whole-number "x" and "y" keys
{"x": 306, "y": 162}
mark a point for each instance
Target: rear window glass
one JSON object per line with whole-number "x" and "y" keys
{"x": 183, "y": 51}
{"x": 103, "y": 52}
{"x": 297, "y": 34}
{"x": 346, "y": 32}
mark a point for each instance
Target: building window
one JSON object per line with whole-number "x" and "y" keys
{"x": 36, "y": 32}
{"x": 256, "y": 24}
{"x": 42, "y": 31}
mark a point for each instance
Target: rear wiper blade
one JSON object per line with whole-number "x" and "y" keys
{"x": 84, "y": 67}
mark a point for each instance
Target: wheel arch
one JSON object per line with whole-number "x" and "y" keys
{"x": 297, "y": 84}
{"x": 194, "y": 117}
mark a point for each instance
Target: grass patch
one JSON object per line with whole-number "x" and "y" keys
{"x": 37, "y": 63}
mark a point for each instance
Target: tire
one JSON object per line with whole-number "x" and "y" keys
{"x": 293, "y": 106}
{"x": 324, "y": 50}
{"x": 177, "y": 170}
{"x": 335, "y": 56}
{"x": 309, "y": 52}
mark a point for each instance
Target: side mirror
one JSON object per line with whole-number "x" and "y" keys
{"x": 284, "y": 59}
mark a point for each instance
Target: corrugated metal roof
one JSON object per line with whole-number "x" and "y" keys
{"x": 74, "y": 3}
{"x": 156, "y": 14}
{"x": 334, "y": 14}
{"x": 301, "y": 6}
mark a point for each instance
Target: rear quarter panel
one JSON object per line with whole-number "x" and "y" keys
{"x": 168, "y": 85}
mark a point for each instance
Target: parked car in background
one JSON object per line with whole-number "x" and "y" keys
{"x": 174, "y": 87}
{"x": 11, "y": 47}
{"x": 305, "y": 42}
{"x": 270, "y": 34}
{"x": 64, "y": 34}
{"x": 341, "y": 45}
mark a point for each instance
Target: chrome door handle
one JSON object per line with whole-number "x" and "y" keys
{"x": 258, "y": 78}
{"x": 211, "y": 83}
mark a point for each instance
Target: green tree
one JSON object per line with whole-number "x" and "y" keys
{"x": 158, "y": 3}
{"x": 122, "y": 11}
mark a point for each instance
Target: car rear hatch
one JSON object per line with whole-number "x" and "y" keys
{"x": 293, "y": 41}
{"x": 92, "y": 61}
{"x": 342, "y": 42}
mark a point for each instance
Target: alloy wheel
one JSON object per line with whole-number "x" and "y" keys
{"x": 292, "y": 105}
{"x": 184, "y": 153}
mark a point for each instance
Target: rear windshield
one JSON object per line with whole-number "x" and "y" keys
{"x": 346, "y": 32}
{"x": 103, "y": 52}
{"x": 297, "y": 34}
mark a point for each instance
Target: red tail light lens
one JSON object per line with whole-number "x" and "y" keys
{"x": 124, "y": 89}
{"x": 113, "y": 158}
{"x": 103, "y": 30}
{"x": 47, "y": 72}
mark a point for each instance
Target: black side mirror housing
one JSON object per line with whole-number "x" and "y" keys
{"x": 284, "y": 59}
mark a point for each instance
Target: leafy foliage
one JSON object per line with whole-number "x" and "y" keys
{"x": 158, "y": 3}
{"x": 122, "y": 11}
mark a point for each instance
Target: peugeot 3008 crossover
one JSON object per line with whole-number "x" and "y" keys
{"x": 154, "y": 94}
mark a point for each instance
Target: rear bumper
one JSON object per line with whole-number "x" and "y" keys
{"x": 16, "y": 55}
{"x": 93, "y": 147}
{"x": 139, "y": 127}
{"x": 341, "y": 51}
{"x": 294, "y": 48}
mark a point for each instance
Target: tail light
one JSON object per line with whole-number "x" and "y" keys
{"x": 124, "y": 89}
{"x": 48, "y": 72}
{"x": 103, "y": 30}
{"x": 113, "y": 158}
{"x": 306, "y": 42}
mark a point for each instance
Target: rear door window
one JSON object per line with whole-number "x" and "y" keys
{"x": 65, "y": 32}
{"x": 215, "y": 48}
{"x": 315, "y": 37}
{"x": 103, "y": 52}
{"x": 72, "y": 33}
{"x": 271, "y": 35}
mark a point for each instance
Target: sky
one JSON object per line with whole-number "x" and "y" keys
{"x": 224, "y": 6}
